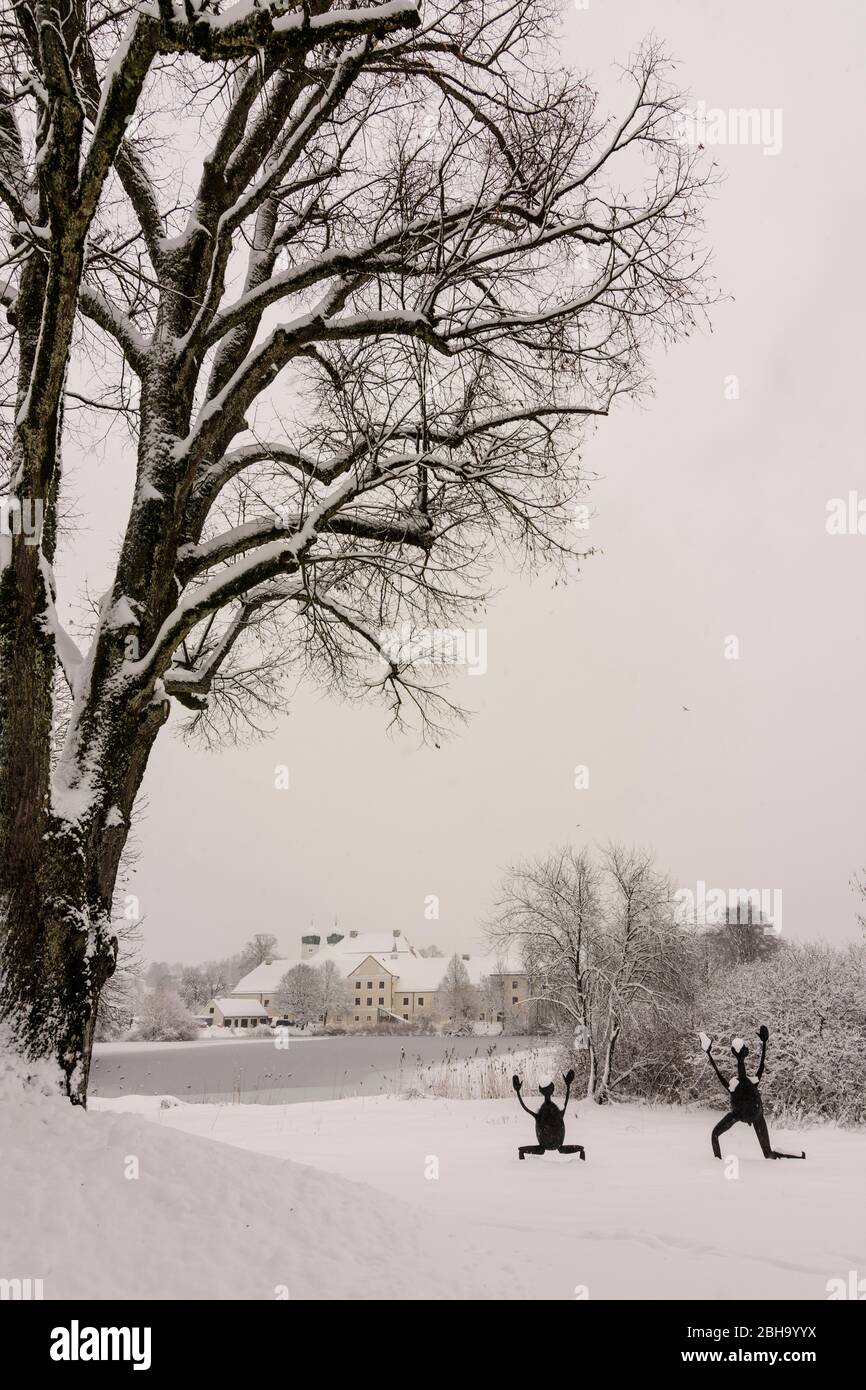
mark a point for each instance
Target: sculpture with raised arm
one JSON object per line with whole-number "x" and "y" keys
{"x": 746, "y": 1103}
{"x": 549, "y": 1122}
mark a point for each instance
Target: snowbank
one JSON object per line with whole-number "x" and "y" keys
{"x": 110, "y": 1205}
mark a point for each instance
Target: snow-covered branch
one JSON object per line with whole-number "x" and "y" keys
{"x": 283, "y": 26}
{"x": 107, "y": 316}
{"x": 409, "y": 529}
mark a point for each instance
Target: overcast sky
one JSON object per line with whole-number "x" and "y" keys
{"x": 711, "y": 523}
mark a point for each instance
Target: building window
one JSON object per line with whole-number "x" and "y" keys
{"x": 406, "y": 1016}
{"x": 369, "y": 1002}
{"x": 405, "y": 1001}
{"x": 381, "y": 998}
{"x": 266, "y": 1002}
{"x": 369, "y": 984}
{"x": 514, "y": 998}
{"x": 514, "y": 984}
{"x": 357, "y": 1001}
{"x": 244, "y": 1022}
{"x": 357, "y": 1018}
{"x": 420, "y": 1000}
{"x": 357, "y": 984}
{"x": 210, "y": 1010}
{"x": 381, "y": 984}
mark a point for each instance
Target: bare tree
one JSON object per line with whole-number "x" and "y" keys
{"x": 261, "y": 947}
{"x": 605, "y": 948}
{"x": 553, "y": 908}
{"x": 457, "y": 994}
{"x": 645, "y": 958}
{"x": 300, "y": 994}
{"x": 352, "y": 354}
{"x": 196, "y": 984}
{"x": 334, "y": 989}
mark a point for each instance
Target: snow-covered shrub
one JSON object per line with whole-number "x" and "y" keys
{"x": 813, "y": 999}
{"x": 164, "y": 1017}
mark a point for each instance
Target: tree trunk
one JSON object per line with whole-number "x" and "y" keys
{"x": 64, "y": 819}
{"x": 57, "y": 953}
{"x": 59, "y": 874}
{"x": 603, "y": 1095}
{"x": 590, "y": 1081}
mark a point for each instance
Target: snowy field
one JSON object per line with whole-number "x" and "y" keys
{"x": 376, "y": 1198}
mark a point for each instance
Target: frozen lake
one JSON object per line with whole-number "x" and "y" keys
{"x": 257, "y": 1070}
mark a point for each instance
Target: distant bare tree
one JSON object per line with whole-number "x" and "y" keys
{"x": 645, "y": 961}
{"x": 196, "y": 984}
{"x": 348, "y": 280}
{"x": 300, "y": 995}
{"x": 605, "y": 946}
{"x": 261, "y": 947}
{"x": 334, "y": 995}
{"x": 553, "y": 908}
{"x": 457, "y": 994}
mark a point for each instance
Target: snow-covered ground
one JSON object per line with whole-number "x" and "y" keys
{"x": 428, "y": 1198}
{"x": 103, "y": 1205}
{"x": 378, "y": 1198}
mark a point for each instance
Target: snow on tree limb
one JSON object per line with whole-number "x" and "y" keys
{"x": 286, "y": 27}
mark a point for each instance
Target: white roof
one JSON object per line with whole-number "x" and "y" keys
{"x": 239, "y": 1008}
{"x": 265, "y": 977}
{"x": 403, "y": 963}
{"x": 368, "y": 943}
{"x": 421, "y": 973}
{"x": 347, "y": 954}
{"x": 392, "y": 964}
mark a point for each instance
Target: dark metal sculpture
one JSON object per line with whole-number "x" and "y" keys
{"x": 746, "y": 1103}
{"x": 549, "y": 1122}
